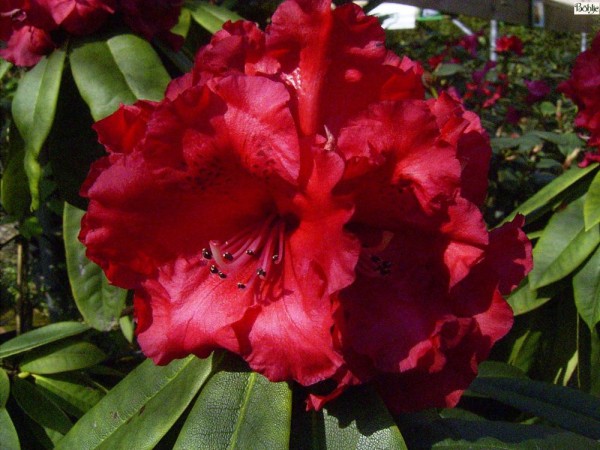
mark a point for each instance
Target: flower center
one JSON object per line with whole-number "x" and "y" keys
{"x": 372, "y": 265}
{"x": 250, "y": 255}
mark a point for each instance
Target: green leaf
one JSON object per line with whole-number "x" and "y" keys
{"x": 121, "y": 69}
{"x": 210, "y": 17}
{"x": 33, "y": 109}
{"x": 127, "y": 328}
{"x": 70, "y": 392}
{"x": 524, "y": 299}
{"x": 4, "y": 388}
{"x": 239, "y": 410}
{"x": 356, "y": 420}
{"x": 41, "y": 336}
{"x": 140, "y": 409}
{"x": 457, "y": 434}
{"x": 591, "y": 207}
{"x": 72, "y": 144}
{"x": 9, "y": 439}
{"x": 563, "y": 246}
{"x": 447, "y": 70}
{"x": 586, "y": 287}
{"x": 568, "y": 408}
{"x": 4, "y": 68}
{"x": 99, "y": 302}
{"x": 61, "y": 357}
{"x": 183, "y": 24}
{"x": 554, "y": 192}
{"x": 14, "y": 188}
{"x": 39, "y": 407}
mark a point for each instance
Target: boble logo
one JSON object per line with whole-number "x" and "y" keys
{"x": 586, "y": 8}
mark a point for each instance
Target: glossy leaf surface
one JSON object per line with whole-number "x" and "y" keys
{"x": 33, "y": 109}
{"x": 239, "y": 410}
{"x": 140, "y": 409}
{"x": 121, "y": 69}
{"x": 591, "y": 208}
{"x": 586, "y": 287}
{"x": 211, "y": 17}
{"x": 99, "y": 302}
{"x": 62, "y": 357}
{"x": 563, "y": 246}
{"x": 41, "y": 336}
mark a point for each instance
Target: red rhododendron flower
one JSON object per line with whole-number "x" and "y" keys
{"x": 584, "y": 89}
{"x": 510, "y": 43}
{"x": 25, "y": 25}
{"x": 153, "y": 18}
{"x": 296, "y": 200}
{"x": 537, "y": 90}
{"x": 79, "y": 17}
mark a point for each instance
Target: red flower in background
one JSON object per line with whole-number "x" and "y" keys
{"x": 295, "y": 200}
{"x": 537, "y": 90}
{"x": 25, "y": 25}
{"x": 483, "y": 91}
{"x": 509, "y": 43}
{"x": 584, "y": 89}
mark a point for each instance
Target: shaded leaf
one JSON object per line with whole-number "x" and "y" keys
{"x": 99, "y": 302}
{"x": 14, "y": 188}
{"x": 546, "y": 198}
{"x": 563, "y": 246}
{"x": 239, "y": 410}
{"x": 4, "y": 67}
{"x": 524, "y": 299}
{"x": 211, "y": 17}
{"x": 586, "y": 287}
{"x": 356, "y": 420}
{"x": 33, "y": 109}
{"x": 41, "y": 336}
{"x": 39, "y": 407}
{"x": 9, "y": 439}
{"x": 591, "y": 207}
{"x": 121, "y": 69}
{"x": 459, "y": 433}
{"x": 70, "y": 392}
{"x": 140, "y": 409}
{"x": 72, "y": 144}
{"x": 62, "y": 357}
{"x": 568, "y": 408}
{"x": 4, "y": 388}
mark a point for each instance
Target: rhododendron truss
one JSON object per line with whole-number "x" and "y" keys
{"x": 31, "y": 29}
{"x": 296, "y": 200}
{"x": 583, "y": 87}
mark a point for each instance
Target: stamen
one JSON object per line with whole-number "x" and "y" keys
{"x": 260, "y": 247}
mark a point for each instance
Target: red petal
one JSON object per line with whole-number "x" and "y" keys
{"x": 80, "y": 17}
{"x": 417, "y": 174}
{"x": 187, "y": 310}
{"x": 291, "y": 336}
{"x": 336, "y": 62}
{"x": 509, "y": 253}
{"x": 26, "y": 46}
{"x": 260, "y": 105}
{"x": 123, "y": 130}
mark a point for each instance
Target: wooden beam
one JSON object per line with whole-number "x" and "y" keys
{"x": 558, "y": 16}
